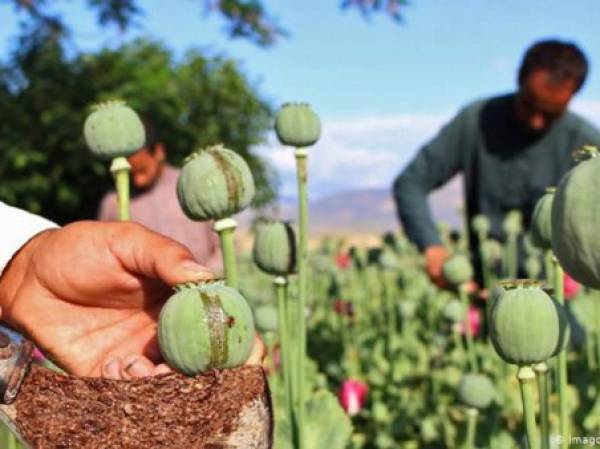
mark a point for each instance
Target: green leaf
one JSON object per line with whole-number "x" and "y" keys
{"x": 327, "y": 425}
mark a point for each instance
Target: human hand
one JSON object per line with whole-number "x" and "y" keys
{"x": 89, "y": 296}
{"x": 435, "y": 256}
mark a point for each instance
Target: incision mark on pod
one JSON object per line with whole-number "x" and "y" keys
{"x": 216, "y": 320}
{"x": 231, "y": 177}
{"x": 292, "y": 245}
{"x": 230, "y": 321}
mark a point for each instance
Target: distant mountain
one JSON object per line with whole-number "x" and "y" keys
{"x": 370, "y": 211}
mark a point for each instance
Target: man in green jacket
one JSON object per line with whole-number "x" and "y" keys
{"x": 509, "y": 149}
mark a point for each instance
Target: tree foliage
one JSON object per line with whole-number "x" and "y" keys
{"x": 44, "y": 98}
{"x": 249, "y": 19}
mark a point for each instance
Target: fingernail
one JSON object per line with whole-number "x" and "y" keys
{"x": 111, "y": 369}
{"x": 196, "y": 270}
{"x": 161, "y": 369}
{"x": 136, "y": 368}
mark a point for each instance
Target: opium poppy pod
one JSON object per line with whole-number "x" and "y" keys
{"x": 575, "y": 218}
{"x": 265, "y": 317}
{"x": 513, "y": 222}
{"x": 527, "y": 326}
{"x": 541, "y": 221}
{"x": 457, "y": 270}
{"x": 274, "y": 249}
{"x": 480, "y": 224}
{"x": 491, "y": 250}
{"x": 113, "y": 130}
{"x": 476, "y": 391}
{"x": 204, "y": 326}
{"x": 297, "y": 125}
{"x": 214, "y": 183}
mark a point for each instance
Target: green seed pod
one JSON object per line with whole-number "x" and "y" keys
{"x": 533, "y": 267}
{"x": 214, "y": 183}
{"x": 476, "y": 391}
{"x": 274, "y": 249}
{"x": 204, "y": 326}
{"x": 513, "y": 222}
{"x": 575, "y": 217}
{"x": 297, "y": 125}
{"x": 481, "y": 224}
{"x": 113, "y": 130}
{"x": 492, "y": 251}
{"x": 454, "y": 311}
{"x": 265, "y": 318}
{"x": 526, "y": 325}
{"x": 541, "y": 221}
{"x": 457, "y": 270}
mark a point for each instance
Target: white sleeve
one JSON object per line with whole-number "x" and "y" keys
{"x": 17, "y": 227}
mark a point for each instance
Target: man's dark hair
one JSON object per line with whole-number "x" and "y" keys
{"x": 564, "y": 61}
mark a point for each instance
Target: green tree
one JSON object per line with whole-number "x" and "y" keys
{"x": 44, "y": 97}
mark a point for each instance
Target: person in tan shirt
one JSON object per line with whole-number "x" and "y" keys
{"x": 154, "y": 204}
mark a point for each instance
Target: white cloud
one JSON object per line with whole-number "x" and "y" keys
{"x": 356, "y": 153}
{"x": 369, "y": 151}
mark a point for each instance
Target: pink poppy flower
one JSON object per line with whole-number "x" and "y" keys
{"x": 474, "y": 318}
{"x": 343, "y": 260}
{"x": 571, "y": 287}
{"x": 342, "y": 307}
{"x": 352, "y": 396}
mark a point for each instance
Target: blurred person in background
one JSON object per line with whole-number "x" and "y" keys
{"x": 154, "y": 203}
{"x": 508, "y": 148}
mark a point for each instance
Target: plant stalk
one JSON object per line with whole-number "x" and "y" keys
{"x": 120, "y": 169}
{"x": 301, "y": 155}
{"x": 549, "y": 267}
{"x": 526, "y": 378}
{"x": 281, "y": 291}
{"x": 225, "y": 227}
{"x": 512, "y": 256}
{"x": 541, "y": 371}
{"x": 590, "y": 350}
{"x": 562, "y": 362}
{"x": 472, "y": 414}
{"x": 390, "y": 310}
{"x": 485, "y": 268}
{"x": 597, "y": 334}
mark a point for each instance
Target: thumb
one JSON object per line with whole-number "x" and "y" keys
{"x": 156, "y": 256}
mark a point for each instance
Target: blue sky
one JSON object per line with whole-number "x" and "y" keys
{"x": 380, "y": 88}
